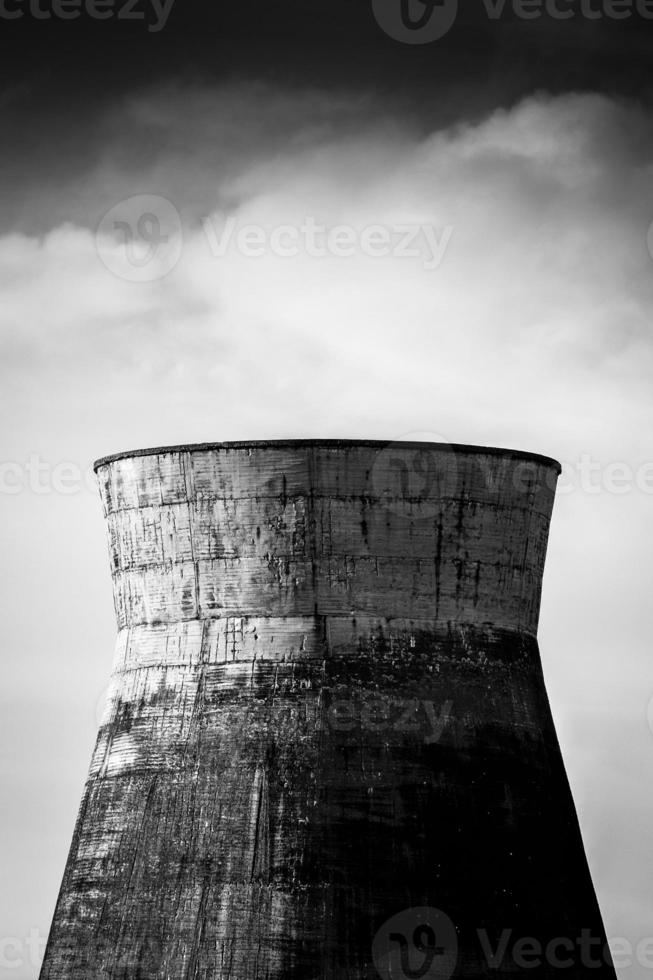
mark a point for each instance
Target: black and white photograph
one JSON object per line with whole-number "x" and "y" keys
{"x": 327, "y": 489}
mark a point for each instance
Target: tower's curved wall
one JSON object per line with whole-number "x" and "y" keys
{"x": 326, "y": 709}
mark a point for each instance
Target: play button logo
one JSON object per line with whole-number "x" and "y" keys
{"x": 415, "y": 21}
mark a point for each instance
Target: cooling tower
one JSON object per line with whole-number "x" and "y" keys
{"x": 327, "y": 751}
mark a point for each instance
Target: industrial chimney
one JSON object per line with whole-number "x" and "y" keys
{"x": 327, "y": 751}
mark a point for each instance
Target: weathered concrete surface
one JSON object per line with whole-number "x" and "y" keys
{"x": 327, "y": 707}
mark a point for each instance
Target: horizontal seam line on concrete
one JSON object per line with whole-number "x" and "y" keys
{"x": 163, "y": 566}
{"x": 306, "y": 495}
{"x": 481, "y": 625}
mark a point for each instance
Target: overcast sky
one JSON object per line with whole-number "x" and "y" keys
{"x": 518, "y": 157}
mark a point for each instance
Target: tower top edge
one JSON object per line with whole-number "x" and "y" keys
{"x": 343, "y": 444}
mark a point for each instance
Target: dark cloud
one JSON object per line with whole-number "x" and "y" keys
{"x": 64, "y": 84}
{"x": 312, "y": 42}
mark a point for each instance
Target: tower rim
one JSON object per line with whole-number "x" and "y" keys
{"x": 444, "y": 447}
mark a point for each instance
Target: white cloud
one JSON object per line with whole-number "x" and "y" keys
{"x": 542, "y": 287}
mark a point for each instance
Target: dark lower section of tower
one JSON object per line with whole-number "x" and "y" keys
{"x": 327, "y": 752}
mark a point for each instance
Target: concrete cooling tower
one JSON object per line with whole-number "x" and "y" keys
{"x": 327, "y": 751}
